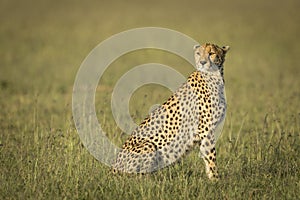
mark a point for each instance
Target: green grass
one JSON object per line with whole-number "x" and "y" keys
{"x": 42, "y": 44}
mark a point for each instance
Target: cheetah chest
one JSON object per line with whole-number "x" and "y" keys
{"x": 214, "y": 103}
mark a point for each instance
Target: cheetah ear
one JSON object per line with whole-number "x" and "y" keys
{"x": 225, "y": 48}
{"x": 196, "y": 46}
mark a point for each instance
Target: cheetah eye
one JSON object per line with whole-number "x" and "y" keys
{"x": 198, "y": 53}
{"x": 211, "y": 53}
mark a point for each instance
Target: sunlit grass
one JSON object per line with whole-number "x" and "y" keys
{"x": 42, "y": 46}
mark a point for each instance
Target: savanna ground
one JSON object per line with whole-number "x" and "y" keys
{"x": 42, "y": 44}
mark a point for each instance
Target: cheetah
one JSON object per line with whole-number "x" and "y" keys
{"x": 191, "y": 117}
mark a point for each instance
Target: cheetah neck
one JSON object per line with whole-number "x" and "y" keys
{"x": 212, "y": 73}
{"x": 216, "y": 73}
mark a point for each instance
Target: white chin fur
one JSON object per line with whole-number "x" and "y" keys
{"x": 212, "y": 68}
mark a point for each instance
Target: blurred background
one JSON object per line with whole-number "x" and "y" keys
{"x": 43, "y": 43}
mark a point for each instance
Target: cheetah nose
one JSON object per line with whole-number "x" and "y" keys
{"x": 203, "y": 62}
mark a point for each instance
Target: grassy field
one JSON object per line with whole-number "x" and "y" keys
{"x": 42, "y": 44}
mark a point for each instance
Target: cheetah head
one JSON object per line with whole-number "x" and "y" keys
{"x": 210, "y": 57}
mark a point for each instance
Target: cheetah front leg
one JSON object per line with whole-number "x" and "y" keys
{"x": 208, "y": 153}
